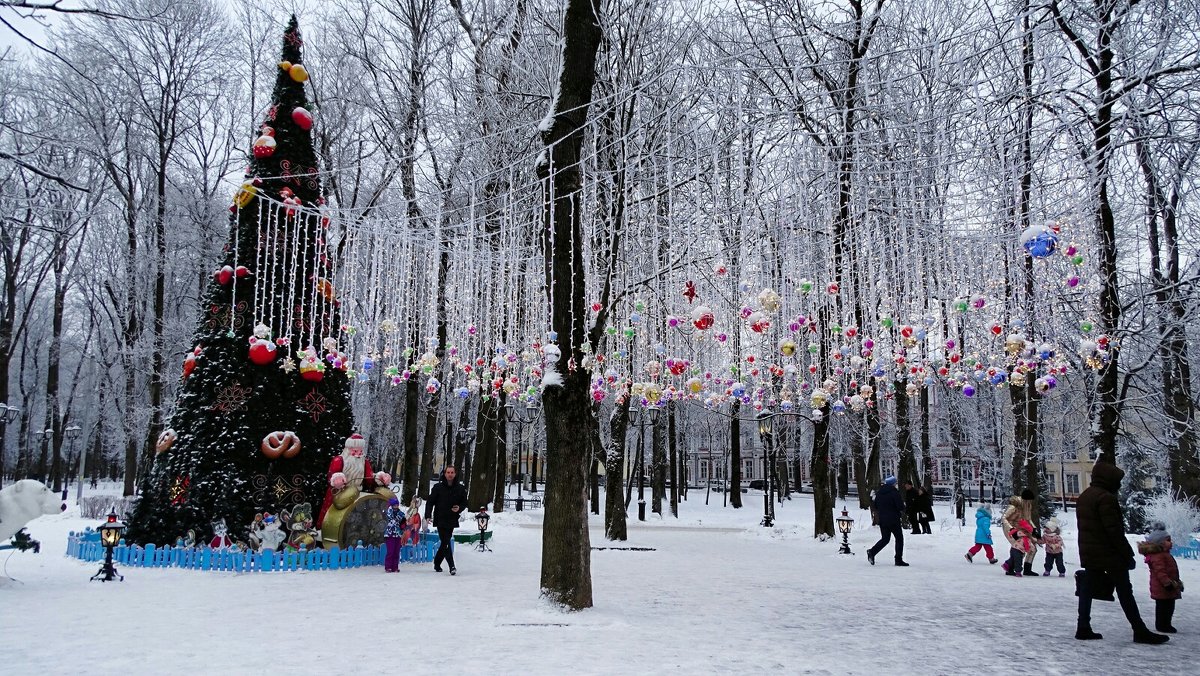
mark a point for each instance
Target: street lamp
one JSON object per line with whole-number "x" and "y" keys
{"x": 765, "y": 428}
{"x": 72, "y": 433}
{"x": 521, "y": 417}
{"x": 639, "y": 417}
{"x": 481, "y": 520}
{"x": 8, "y": 414}
{"x": 110, "y": 535}
{"x": 845, "y": 523}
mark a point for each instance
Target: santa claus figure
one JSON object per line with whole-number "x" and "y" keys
{"x": 349, "y": 474}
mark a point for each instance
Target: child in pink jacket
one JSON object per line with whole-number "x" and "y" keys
{"x": 1165, "y": 586}
{"x": 1052, "y": 539}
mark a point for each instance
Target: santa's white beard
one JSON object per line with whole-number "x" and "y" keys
{"x": 354, "y": 469}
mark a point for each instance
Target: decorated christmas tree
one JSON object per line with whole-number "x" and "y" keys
{"x": 264, "y": 402}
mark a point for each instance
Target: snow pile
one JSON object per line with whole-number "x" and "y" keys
{"x": 1180, "y": 517}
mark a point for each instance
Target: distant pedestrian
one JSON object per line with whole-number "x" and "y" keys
{"x": 1105, "y": 554}
{"x": 1165, "y": 586}
{"x": 910, "y": 507}
{"x": 983, "y": 535}
{"x": 446, "y": 502}
{"x": 1021, "y": 508}
{"x": 889, "y": 506}
{"x": 923, "y": 509}
{"x": 1052, "y": 540}
{"x": 412, "y": 523}
{"x": 393, "y": 528}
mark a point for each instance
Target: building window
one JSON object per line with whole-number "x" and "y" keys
{"x": 945, "y": 469}
{"x": 1072, "y": 483}
{"x": 704, "y": 470}
{"x": 748, "y": 469}
{"x": 1052, "y": 482}
{"x": 889, "y": 468}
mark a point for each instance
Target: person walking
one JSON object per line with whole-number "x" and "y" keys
{"x": 888, "y": 508}
{"x": 1053, "y": 542}
{"x": 1105, "y": 554}
{"x": 445, "y": 504}
{"x": 983, "y": 535}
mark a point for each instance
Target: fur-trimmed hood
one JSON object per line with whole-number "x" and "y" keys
{"x": 1149, "y": 548}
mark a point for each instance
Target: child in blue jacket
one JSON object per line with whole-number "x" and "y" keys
{"x": 983, "y": 535}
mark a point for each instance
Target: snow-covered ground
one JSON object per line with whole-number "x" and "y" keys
{"x": 719, "y": 594}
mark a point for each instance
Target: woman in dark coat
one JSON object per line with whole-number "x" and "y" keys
{"x": 924, "y": 510}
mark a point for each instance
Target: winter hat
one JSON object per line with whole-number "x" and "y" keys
{"x": 1158, "y": 533}
{"x": 1028, "y": 494}
{"x": 393, "y": 501}
{"x": 356, "y": 441}
{"x": 890, "y": 481}
{"x": 1053, "y": 525}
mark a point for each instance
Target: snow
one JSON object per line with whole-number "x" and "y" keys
{"x": 719, "y": 594}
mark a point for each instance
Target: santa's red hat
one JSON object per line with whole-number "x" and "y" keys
{"x": 356, "y": 441}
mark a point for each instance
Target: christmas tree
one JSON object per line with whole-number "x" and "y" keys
{"x": 265, "y": 399}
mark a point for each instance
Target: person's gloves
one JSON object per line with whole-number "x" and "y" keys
{"x": 1179, "y": 585}
{"x": 1132, "y": 563}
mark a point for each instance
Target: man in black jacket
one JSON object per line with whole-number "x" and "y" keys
{"x": 888, "y": 508}
{"x": 446, "y": 501}
{"x": 1104, "y": 552}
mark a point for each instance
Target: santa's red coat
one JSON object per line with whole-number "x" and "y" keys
{"x": 335, "y": 466}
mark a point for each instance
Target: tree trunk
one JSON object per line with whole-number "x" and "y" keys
{"x": 482, "y": 488}
{"x": 735, "y": 455}
{"x": 566, "y": 549}
{"x": 412, "y": 459}
{"x": 614, "y": 473}
{"x": 676, "y": 474}
{"x": 500, "y": 448}
{"x": 658, "y": 465}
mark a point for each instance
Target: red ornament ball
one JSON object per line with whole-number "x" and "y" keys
{"x": 262, "y": 352}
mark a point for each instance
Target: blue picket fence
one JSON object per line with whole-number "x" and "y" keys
{"x": 1191, "y": 551}
{"x": 86, "y": 546}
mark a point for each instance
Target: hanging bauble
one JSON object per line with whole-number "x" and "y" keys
{"x": 759, "y": 322}
{"x": 839, "y": 407}
{"x": 1072, "y": 281}
{"x": 262, "y": 352}
{"x": 721, "y": 337}
{"x": 1018, "y": 378}
{"x": 264, "y": 146}
{"x": 677, "y": 367}
{"x": 689, "y": 290}
{"x": 302, "y": 118}
{"x": 968, "y": 390}
{"x": 1041, "y": 386}
{"x": 1039, "y": 241}
{"x": 298, "y": 72}
{"x": 819, "y": 398}
{"x": 817, "y": 415}
{"x": 769, "y": 300}
{"x": 224, "y": 275}
{"x": 906, "y": 331}
{"x": 805, "y": 286}
{"x": 720, "y": 269}
{"x": 1014, "y": 344}
{"x": 787, "y": 347}
{"x": 960, "y": 305}
{"x": 1077, "y": 259}
{"x": 868, "y": 344}
{"x": 311, "y": 368}
{"x": 694, "y": 385}
{"x": 737, "y": 389}
{"x": 851, "y": 332}
{"x": 832, "y": 288}
{"x": 285, "y": 65}
{"x": 1045, "y": 351}
{"x": 978, "y": 302}
{"x": 702, "y": 318}
{"x": 886, "y": 322}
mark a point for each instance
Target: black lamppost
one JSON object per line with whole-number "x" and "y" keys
{"x": 481, "y": 520}
{"x": 765, "y": 429}
{"x": 845, "y": 523}
{"x": 639, "y": 417}
{"x": 464, "y": 436}
{"x": 521, "y": 417}
{"x": 8, "y": 414}
{"x": 71, "y": 434}
{"x": 44, "y": 436}
{"x": 110, "y": 535}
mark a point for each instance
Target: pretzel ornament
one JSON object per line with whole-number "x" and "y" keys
{"x": 280, "y": 444}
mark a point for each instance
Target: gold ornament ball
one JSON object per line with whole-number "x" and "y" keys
{"x": 298, "y": 72}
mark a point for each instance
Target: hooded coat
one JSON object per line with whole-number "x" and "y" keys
{"x": 983, "y": 526}
{"x": 1052, "y": 537}
{"x": 888, "y": 505}
{"x": 1164, "y": 571}
{"x": 1102, "y": 542}
{"x": 442, "y": 499}
{"x": 1018, "y": 510}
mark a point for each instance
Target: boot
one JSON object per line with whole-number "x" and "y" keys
{"x": 1148, "y": 637}
{"x": 1029, "y": 570}
{"x": 871, "y": 557}
{"x": 993, "y": 561}
{"x": 1085, "y": 633}
{"x": 969, "y": 558}
{"x": 1046, "y": 574}
{"x": 900, "y": 563}
{"x": 1165, "y": 630}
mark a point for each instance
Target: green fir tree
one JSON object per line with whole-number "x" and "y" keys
{"x": 227, "y": 404}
